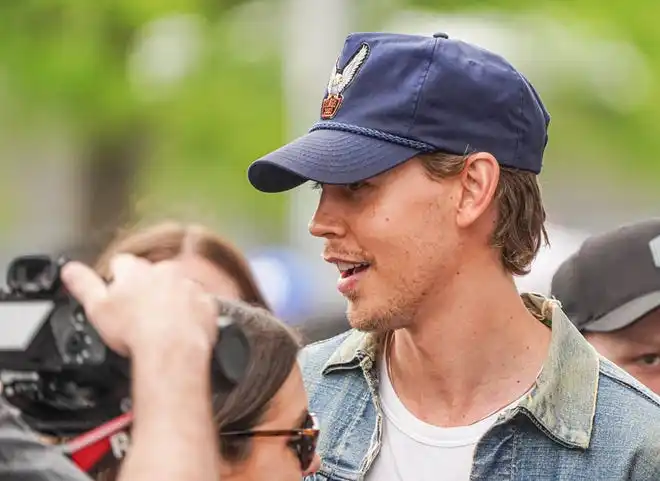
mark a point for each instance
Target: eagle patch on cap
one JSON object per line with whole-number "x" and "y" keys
{"x": 339, "y": 80}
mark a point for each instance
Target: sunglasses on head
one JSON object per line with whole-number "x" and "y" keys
{"x": 302, "y": 440}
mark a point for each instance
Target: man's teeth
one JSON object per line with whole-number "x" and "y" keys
{"x": 346, "y": 266}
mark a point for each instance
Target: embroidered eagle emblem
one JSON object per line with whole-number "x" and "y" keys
{"x": 339, "y": 80}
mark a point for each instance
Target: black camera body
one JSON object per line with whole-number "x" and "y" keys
{"x": 55, "y": 368}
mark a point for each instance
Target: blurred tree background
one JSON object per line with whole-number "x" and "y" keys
{"x": 163, "y": 104}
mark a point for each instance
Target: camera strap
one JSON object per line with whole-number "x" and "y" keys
{"x": 111, "y": 439}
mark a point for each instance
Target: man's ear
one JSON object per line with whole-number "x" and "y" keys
{"x": 479, "y": 181}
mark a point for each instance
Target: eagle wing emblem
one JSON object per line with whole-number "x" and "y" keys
{"x": 340, "y": 80}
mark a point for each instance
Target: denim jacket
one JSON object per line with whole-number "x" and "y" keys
{"x": 584, "y": 419}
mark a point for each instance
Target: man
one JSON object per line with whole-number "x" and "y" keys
{"x": 426, "y": 155}
{"x": 610, "y": 289}
{"x": 173, "y": 437}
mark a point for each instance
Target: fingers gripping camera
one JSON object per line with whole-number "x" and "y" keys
{"x": 55, "y": 367}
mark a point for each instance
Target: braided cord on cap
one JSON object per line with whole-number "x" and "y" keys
{"x": 376, "y": 134}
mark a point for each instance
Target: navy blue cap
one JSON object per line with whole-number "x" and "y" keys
{"x": 391, "y": 97}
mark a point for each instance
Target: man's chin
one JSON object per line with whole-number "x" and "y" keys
{"x": 364, "y": 320}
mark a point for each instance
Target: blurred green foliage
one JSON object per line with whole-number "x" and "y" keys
{"x": 69, "y": 62}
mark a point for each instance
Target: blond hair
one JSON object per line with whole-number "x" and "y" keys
{"x": 520, "y": 228}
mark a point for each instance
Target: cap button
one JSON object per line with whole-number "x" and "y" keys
{"x": 440, "y": 35}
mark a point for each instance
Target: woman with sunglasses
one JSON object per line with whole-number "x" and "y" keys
{"x": 264, "y": 428}
{"x": 260, "y": 427}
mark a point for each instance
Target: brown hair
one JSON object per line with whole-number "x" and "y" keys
{"x": 168, "y": 240}
{"x": 274, "y": 345}
{"x": 274, "y": 349}
{"x": 520, "y": 228}
{"x": 274, "y": 352}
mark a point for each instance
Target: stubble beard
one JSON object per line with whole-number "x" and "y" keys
{"x": 375, "y": 320}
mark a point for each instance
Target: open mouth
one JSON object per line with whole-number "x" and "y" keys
{"x": 348, "y": 269}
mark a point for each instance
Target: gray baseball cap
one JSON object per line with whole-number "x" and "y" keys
{"x": 613, "y": 279}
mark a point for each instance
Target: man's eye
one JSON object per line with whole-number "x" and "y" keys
{"x": 649, "y": 360}
{"x": 355, "y": 186}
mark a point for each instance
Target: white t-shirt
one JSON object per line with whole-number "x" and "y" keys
{"x": 413, "y": 450}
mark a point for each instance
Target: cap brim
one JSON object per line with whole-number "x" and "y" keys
{"x": 626, "y": 314}
{"x": 328, "y": 157}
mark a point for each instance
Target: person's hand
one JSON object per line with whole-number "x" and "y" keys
{"x": 147, "y": 306}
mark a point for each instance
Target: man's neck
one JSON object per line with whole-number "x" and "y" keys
{"x": 470, "y": 354}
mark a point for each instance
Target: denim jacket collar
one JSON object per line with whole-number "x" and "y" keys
{"x": 562, "y": 401}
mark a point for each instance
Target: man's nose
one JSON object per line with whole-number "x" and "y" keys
{"x": 324, "y": 229}
{"x": 326, "y": 221}
{"x": 314, "y": 467}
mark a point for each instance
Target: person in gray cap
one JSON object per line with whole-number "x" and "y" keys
{"x": 610, "y": 289}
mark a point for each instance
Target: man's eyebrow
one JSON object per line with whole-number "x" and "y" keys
{"x": 649, "y": 345}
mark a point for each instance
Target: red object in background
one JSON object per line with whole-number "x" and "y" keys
{"x": 111, "y": 438}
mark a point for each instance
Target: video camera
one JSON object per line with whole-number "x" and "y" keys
{"x": 55, "y": 368}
